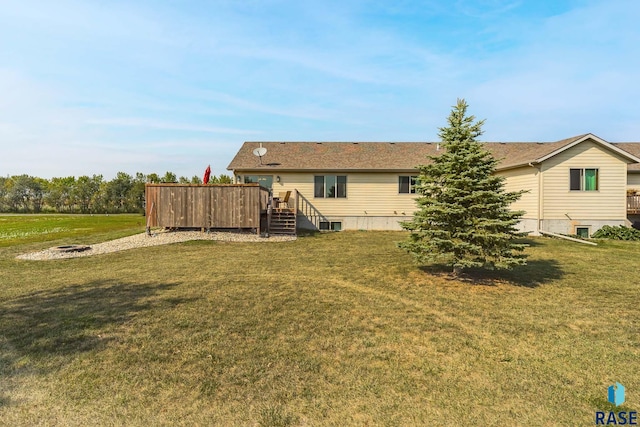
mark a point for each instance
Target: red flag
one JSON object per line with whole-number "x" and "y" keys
{"x": 207, "y": 174}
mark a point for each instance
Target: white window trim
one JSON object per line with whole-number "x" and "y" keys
{"x": 414, "y": 186}
{"x": 582, "y": 179}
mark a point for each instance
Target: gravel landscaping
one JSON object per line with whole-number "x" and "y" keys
{"x": 156, "y": 238}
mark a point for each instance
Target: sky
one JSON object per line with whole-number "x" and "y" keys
{"x": 99, "y": 87}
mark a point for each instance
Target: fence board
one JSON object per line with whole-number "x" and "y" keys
{"x": 205, "y": 206}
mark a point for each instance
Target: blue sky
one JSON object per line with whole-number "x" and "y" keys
{"x": 97, "y": 87}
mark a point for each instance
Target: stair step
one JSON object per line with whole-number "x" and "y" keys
{"x": 282, "y": 221}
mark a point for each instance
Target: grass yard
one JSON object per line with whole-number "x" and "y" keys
{"x": 21, "y": 229}
{"x": 332, "y": 329}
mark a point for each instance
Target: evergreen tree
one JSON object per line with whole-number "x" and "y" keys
{"x": 463, "y": 218}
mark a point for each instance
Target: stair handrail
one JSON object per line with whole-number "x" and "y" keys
{"x": 307, "y": 209}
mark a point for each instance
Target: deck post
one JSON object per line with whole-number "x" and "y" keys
{"x": 269, "y": 211}
{"x": 633, "y": 204}
{"x": 149, "y": 219}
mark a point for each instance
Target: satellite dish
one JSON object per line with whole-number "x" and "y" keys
{"x": 260, "y": 151}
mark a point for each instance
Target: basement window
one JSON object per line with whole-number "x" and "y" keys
{"x": 330, "y": 225}
{"x": 582, "y": 232}
{"x": 583, "y": 179}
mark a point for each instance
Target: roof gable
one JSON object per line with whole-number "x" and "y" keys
{"x": 577, "y": 140}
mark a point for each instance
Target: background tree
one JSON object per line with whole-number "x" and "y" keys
{"x": 124, "y": 193}
{"x": 153, "y": 178}
{"x": 60, "y": 194}
{"x": 136, "y": 193}
{"x": 463, "y": 218}
{"x": 169, "y": 177}
{"x": 86, "y": 191}
{"x": 25, "y": 193}
{"x": 222, "y": 179}
{"x": 4, "y": 188}
{"x": 38, "y": 189}
{"x": 116, "y": 193}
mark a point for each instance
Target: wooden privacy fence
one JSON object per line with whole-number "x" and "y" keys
{"x": 205, "y": 206}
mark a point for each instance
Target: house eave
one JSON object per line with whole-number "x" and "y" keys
{"x": 267, "y": 169}
{"x": 517, "y": 166}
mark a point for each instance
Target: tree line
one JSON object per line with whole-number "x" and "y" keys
{"x": 85, "y": 194}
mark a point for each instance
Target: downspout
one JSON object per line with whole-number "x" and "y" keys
{"x": 548, "y": 233}
{"x": 540, "y": 193}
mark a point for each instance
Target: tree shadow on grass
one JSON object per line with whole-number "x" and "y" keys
{"x": 530, "y": 242}
{"x": 42, "y": 331}
{"x": 532, "y": 275}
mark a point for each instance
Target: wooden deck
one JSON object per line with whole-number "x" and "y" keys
{"x": 633, "y": 205}
{"x": 233, "y": 206}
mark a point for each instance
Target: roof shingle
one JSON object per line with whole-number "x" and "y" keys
{"x": 631, "y": 148}
{"x": 382, "y": 156}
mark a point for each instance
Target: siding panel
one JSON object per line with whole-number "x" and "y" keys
{"x": 368, "y": 194}
{"x": 525, "y": 178}
{"x": 633, "y": 181}
{"x": 606, "y": 203}
{"x": 376, "y": 194}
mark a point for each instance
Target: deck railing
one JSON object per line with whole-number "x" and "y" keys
{"x": 633, "y": 205}
{"x": 308, "y": 211}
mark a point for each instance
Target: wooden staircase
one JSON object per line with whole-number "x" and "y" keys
{"x": 283, "y": 222}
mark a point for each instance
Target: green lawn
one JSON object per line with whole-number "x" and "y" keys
{"x": 20, "y": 229}
{"x": 332, "y": 329}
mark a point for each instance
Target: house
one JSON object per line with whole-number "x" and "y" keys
{"x": 633, "y": 173}
{"x": 575, "y": 185}
{"x": 633, "y": 184}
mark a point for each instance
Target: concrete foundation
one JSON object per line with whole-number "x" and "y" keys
{"x": 566, "y": 226}
{"x": 353, "y": 222}
{"x": 529, "y": 225}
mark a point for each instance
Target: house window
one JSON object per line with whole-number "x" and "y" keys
{"x": 265, "y": 181}
{"x": 582, "y": 232}
{"x": 407, "y": 184}
{"x": 583, "y": 179}
{"x": 330, "y": 225}
{"x": 330, "y": 186}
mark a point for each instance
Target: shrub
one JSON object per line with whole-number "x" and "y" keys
{"x": 619, "y": 232}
